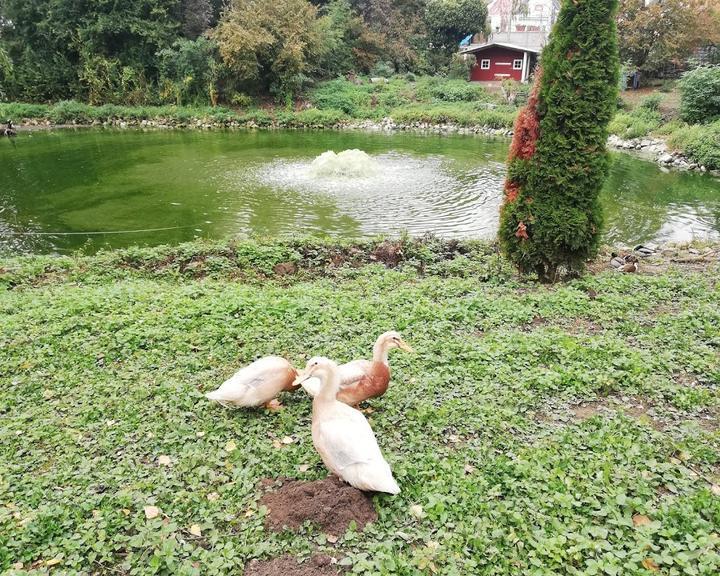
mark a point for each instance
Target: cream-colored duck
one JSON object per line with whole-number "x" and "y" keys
{"x": 257, "y": 384}
{"x": 364, "y": 379}
{"x": 342, "y": 435}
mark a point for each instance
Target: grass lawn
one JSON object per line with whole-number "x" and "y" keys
{"x": 570, "y": 429}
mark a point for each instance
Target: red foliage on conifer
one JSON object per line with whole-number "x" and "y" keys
{"x": 525, "y": 135}
{"x": 527, "y": 126}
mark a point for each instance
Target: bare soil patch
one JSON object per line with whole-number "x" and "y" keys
{"x": 318, "y": 565}
{"x": 329, "y": 503}
{"x": 634, "y": 406}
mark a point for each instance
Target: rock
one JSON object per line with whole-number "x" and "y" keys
{"x": 665, "y": 158}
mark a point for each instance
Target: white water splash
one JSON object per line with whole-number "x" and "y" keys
{"x": 349, "y": 163}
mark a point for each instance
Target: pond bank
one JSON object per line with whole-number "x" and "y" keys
{"x": 657, "y": 150}
{"x": 650, "y": 148}
{"x": 520, "y": 401}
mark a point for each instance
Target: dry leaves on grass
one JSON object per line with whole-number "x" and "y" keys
{"x": 417, "y": 512}
{"x": 151, "y": 512}
{"x": 164, "y": 460}
{"x": 650, "y": 564}
{"x": 195, "y": 530}
{"x": 640, "y": 520}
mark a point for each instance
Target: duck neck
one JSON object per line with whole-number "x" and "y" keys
{"x": 380, "y": 352}
{"x": 329, "y": 387}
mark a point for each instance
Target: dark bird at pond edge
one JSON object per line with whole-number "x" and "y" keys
{"x": 9, "y": 130}
{"x": 630, "y": 266}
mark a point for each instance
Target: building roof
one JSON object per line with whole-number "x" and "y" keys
{"x": 530, "y": 41}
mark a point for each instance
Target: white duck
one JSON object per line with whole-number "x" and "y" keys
{"x": 343, "y": 437}
{"x": 364, "y": 379}
{"x": 257, "y": 384}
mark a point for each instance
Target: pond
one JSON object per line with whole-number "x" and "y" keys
{"x": 64, "y": 190}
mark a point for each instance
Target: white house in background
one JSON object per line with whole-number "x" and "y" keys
{"x": 529, "y": 15}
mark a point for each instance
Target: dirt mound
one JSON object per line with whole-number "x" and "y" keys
{"x": 329, "y": 503}
{"x": 318, "y": 565}
{"x": 389, "y": 253}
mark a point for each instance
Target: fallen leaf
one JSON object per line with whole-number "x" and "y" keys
{"x": 277, "y": 444}
{"x": 287, "y": 440}
{"x": 213, "y": 496}
{"x": 304, "y": 467}
{"x": 454, "y": 438}
{"x": 715, "y": 489}
{"x": 249, "y": 513}
{"x": 200, "y": 434}
{"x": 126, "y": 511}
{"x": 164, "y": 460}
{"x": 18, "y": 566}
{"x": 195, "y": 530}
{"x": 53, "y": 562}
{"x": 469, "y": 468}
{"x": 640, "y": 520}
{"x": 47, "y": 394}
{"x": 230, "y": 446}
{"x": 151, "y": 512}
{"x": 417, "y": 511}
{"x": 332, "y": 539}
{"x": 650, "y": 564}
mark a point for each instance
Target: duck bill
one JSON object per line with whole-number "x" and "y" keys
{"x": 405, "y": 346}
{"x": 301, "y": 377}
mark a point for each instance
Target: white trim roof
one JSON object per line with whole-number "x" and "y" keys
{"x": 480, "y": 47}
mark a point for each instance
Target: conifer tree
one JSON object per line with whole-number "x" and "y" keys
{"x": 551, "y": 217}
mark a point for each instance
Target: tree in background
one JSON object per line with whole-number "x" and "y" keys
{"x": 197, "y": 16}
{"x": 449, "y": 21}
{"x": 551, "y": 217}
{"x": 189, "y": 71}
{"x": 64, "y": 48}
{"x": 271, "y": 46}
{"x": 701, "y": 95}
{"x": 666, "y": 32}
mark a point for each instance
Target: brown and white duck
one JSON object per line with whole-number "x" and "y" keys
{"x": 364, "y": 379}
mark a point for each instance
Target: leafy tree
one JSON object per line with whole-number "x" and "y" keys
{"x": 188, "y": 71}
{"x": 448, "y": 21}
{"x": 272, "y": 45}
{"x": 662, "y": 32}
{"x": 197, "y": 16}
{"x": 55, "y": 44}
{"x": 551, "y": 217}
{"x": 700, "y": 95}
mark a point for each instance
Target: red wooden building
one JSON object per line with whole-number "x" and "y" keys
{"x": 505, "y": 56}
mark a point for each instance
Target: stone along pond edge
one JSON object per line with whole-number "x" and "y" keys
{"x": 653, "y": 149}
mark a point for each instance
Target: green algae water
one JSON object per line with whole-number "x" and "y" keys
{"x": 89, "y": 189}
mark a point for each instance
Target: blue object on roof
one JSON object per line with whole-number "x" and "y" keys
{"x": 466, "y": 41}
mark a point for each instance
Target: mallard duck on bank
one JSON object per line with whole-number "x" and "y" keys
{"x": 9, "y": 130}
